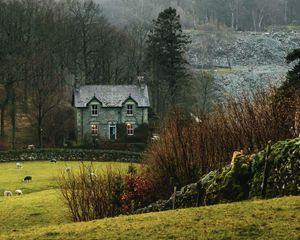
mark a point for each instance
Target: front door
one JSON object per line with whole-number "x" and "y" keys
{"x": 112, "y": 132}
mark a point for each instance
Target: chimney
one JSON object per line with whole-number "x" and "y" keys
{"x": 77, "y": 87}
{"x": 141, "y": 81}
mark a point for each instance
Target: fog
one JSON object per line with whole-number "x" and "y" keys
{"x": 256, "y": 15}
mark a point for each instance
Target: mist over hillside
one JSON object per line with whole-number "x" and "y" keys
{"x": 251, "y": 38}
{"x": 256, "y": 15}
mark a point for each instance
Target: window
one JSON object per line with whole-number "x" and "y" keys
{"x": 130, "y": 129}
{"x": 94, "y": 110}
{"x": 94, "y": 129}
{"x": 130, "y": 109}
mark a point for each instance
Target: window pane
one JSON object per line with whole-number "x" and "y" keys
{"x": 94, "y": 110}
{"x": 129, "y": 109}
{"x": 94, "y": 129}
{"x": 130, "y": 129}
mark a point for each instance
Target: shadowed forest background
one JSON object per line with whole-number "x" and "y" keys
{"x": 49, "y": 47}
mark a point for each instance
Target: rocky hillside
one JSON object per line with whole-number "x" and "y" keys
{"x": 243, "y": 60}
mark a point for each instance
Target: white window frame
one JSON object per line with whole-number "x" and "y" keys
{"x": 94, "y": 129}
{"x": 129, "y": 110}
{"x": 130, "y": 129}
{"x": 94, "y": 110}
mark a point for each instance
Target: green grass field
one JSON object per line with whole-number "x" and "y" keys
{"x": 40, "y": 214}
{"x": 41, "y": 203}
{"x": 269, "y": 219}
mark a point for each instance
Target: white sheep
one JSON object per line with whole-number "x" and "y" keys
{"x": 93, "y": 174}
{"x": 155, "y": 137}
{"x": 7, "y": 194}
{"x": 19, "y": 192}
{"x": 31, "y": 147}
{"x": 19, "y": 165}
{"x": 68, "y": 169}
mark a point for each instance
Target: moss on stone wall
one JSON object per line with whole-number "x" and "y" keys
{"x": 243, "y": 179}
{"x": 283, "y": 171}
{"x": 233, "y": 183}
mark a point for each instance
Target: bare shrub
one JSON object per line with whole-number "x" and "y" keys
{"x": 90, "y": 194}
{"x": 189, "y": 147}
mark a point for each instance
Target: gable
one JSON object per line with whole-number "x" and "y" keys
{"x": 129, "y": 100}
{"x": 94, "y": 100}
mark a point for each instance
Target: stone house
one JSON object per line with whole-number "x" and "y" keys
{"x": 101, "y": 108}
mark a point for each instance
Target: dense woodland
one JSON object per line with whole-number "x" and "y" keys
{"x": 49, "y": 47}
{"x": 243, "y": 15}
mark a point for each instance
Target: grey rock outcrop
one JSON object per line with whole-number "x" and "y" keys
{"x": 256, "y": 59}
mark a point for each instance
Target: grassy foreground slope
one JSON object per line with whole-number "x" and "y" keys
{"x": 260, "y": 219}
{"x": 32, "y": 210}
{"x": 41, "y": 203}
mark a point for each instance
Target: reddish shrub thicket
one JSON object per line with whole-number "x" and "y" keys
{"x": 139, "y": 191}
{"x": 189, "y": 147}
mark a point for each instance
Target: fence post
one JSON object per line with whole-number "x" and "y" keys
{"x": 174, "y": 197}
{"x": 199, "y": 187}
{"x": 266, "y": 171}
{"x": 132, "y": 206}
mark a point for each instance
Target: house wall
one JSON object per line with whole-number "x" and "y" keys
{"x": 106, "y": 116}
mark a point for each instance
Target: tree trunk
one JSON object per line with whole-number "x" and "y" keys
{"x": 261, "y": 18}
{"x": 13, "y": 118}
{"x": 85, "y": 60}
{"x": 254, "y": 21}
{"x": 40, "y": 131}
{"x": 237, "y": 15}
{"x": 232, "y": 20}
{"x": 2, "y": 127}
{"x": 3, "y": 108}
{"x": 285, "y": 11}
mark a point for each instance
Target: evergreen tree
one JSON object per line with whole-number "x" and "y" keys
{"x": 292, "y": 82}
{"x": 287, "y": 96}
{"x": 293, "y": 77}
{"x": 165, "y": 57}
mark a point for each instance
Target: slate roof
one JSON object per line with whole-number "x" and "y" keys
{"x": 111, "y": 95}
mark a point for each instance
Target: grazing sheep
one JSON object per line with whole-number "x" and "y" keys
{"x": 27, "y": 179}
{"x": 7, "y": 194}
{"x": 31, "y": 147}
{"x": 53, "y": 161}
{"x": 19, "y": 192}
{"x": 93, "y": 174}
{"x": 19, "y": 165}
{"x": 68, "y": 169}
{"x": 155, "y": 137}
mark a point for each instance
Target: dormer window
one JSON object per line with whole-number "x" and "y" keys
{"x": 129, "y": 109}
{"x": 94, "y": 110}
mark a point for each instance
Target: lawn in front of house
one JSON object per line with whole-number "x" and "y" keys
{"x": 41, "y": 203}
